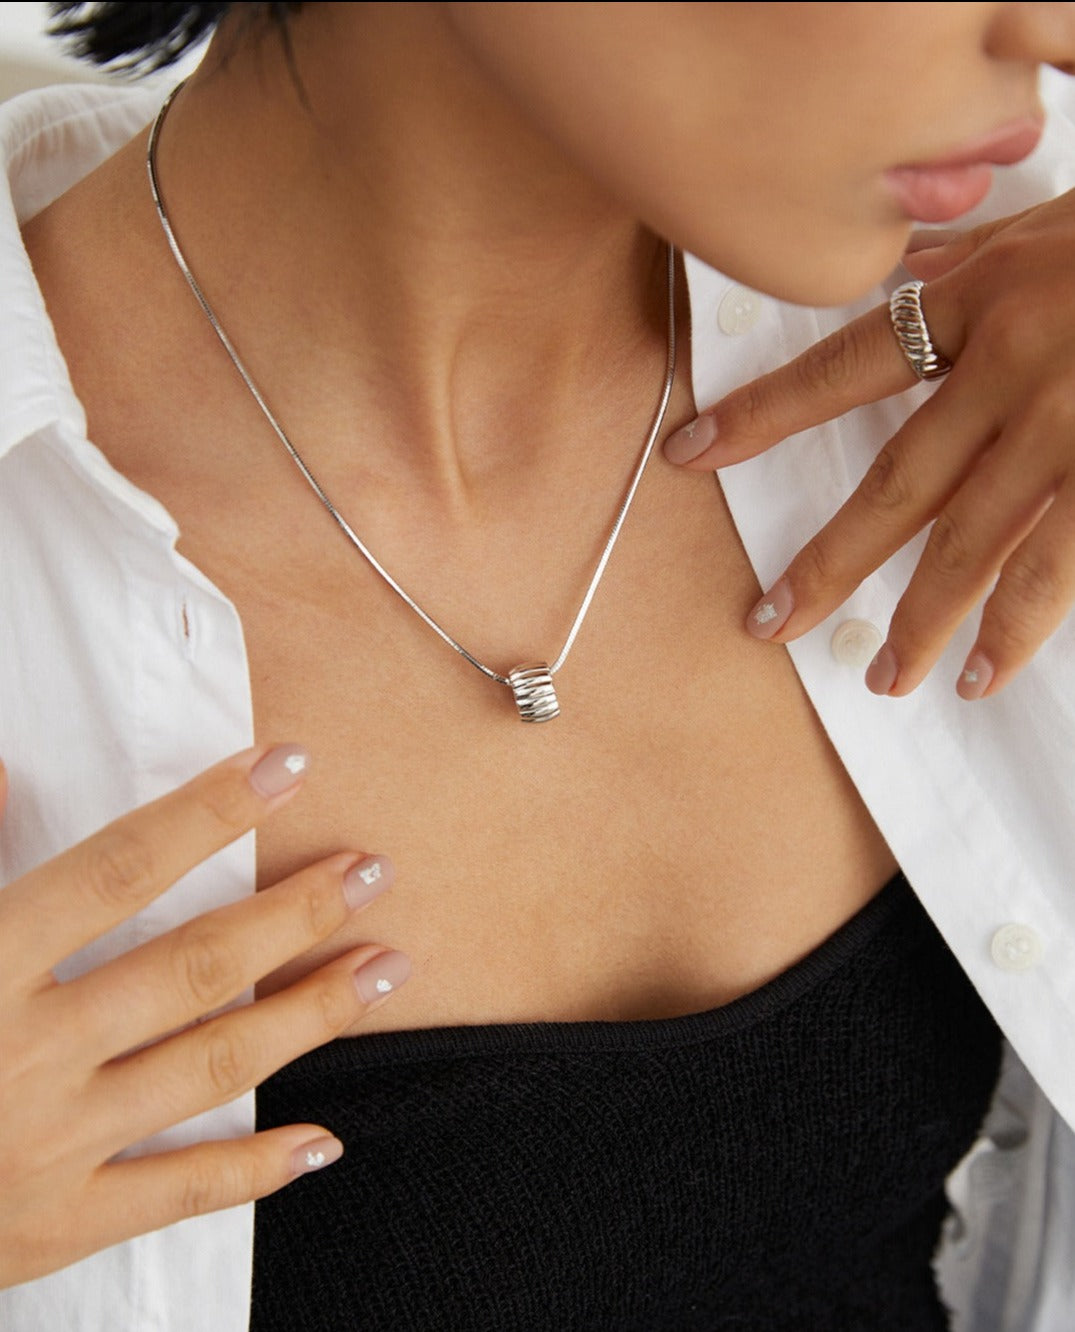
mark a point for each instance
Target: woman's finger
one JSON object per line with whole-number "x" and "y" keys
{"x": 57, "y": 908}
{"x": 216, "y": 1061}
{"x": 931, "y": 238}
{"x": 214, "y": 1175}
{"x": 993, "y": 512}
{"x": 905, "y": 486}
{"x": 932, "y": 254}
{"x": 1034, "y": 593}
{"x": 859, "y": 363}
{"x": 133, "y": 1197}
{"x": 203, "y": 965}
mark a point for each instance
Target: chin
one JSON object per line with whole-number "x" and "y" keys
{"x": 835, "y": 270}
{"x": 842, "y": 285}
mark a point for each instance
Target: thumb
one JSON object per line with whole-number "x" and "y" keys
{"x": 931, "y": 254}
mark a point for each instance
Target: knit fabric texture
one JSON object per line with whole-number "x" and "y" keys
{"x": 771, "y": 1165}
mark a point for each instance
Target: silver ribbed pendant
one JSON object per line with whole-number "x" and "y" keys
{"x": 535, "y": 693}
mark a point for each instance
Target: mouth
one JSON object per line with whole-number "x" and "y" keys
{"x": 947, "y": 187}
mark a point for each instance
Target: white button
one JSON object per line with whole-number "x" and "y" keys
{"x": 739, "y": 311}
{"x": 1015, "y": 948}
{"x": 856, "y": 642}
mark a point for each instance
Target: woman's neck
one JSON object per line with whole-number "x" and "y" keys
{"x": 406, "y": 243}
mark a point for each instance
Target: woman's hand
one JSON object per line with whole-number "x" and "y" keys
{"x": 83, "y": 1071}
{"x": 989, "y": 459}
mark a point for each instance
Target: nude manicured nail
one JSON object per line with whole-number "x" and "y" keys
{"x": 882, "y": 671}
{"x": 315, "y": 1155}
{"x": 976, "y": 677}
{"x": 279, "y": 770}
{"x": 691, "y": 440}
{"x": 771, "y": 613}
{"x": 367, "y": 880}
{"x": 377, "y": 978}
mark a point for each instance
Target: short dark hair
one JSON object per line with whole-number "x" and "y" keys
{"x": 143, "y": 37}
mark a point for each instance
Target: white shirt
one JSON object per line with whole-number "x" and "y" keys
{"x": 123, "y": 672}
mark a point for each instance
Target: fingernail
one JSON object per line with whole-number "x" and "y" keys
{"x": 280, "y": 769}
{"x": 976, "y": 677}
{"x": 376, "y": 979}
{"x": 690, "y": 440}
{"x": 882, "y": 671}
{"x": 771, "y": 613}
{"x": 367, "y": 880}
{"x": 315, "y": 1155}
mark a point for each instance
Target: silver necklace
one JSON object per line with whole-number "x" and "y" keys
{"x": 531, "y": 684}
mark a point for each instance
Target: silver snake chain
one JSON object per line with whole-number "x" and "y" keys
{"x": 531, "y": 684}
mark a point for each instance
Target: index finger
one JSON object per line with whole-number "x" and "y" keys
{"x": 63, "y": 904}
{"x": 859, "y": 363}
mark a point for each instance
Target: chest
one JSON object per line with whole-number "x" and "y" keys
{"x": 682, "y": 832}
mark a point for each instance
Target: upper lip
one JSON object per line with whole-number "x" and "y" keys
{"x": 1000, "y": 147}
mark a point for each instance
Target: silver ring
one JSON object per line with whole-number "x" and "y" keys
{"x": 909, "y": 326}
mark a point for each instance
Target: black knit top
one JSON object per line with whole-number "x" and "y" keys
{"x": 776, "y": 1163}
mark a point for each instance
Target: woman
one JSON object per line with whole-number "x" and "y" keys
{"x": 432, "y": 236}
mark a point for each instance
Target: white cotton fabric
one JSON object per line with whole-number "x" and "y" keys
{"x": 123, "y": 673}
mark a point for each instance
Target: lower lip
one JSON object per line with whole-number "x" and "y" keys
{"x": 939, "y": 193}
